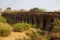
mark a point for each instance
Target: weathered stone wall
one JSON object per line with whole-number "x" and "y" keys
{"x": 42, "y": 19}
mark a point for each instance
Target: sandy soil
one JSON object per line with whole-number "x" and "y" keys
{"x": 13, "y": 36}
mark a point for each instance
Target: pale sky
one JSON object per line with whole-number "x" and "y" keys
{"x": 49, "y": 5}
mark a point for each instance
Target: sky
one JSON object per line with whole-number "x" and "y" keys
{"x": 49, "y": 5}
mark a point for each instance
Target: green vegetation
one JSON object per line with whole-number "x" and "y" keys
{"x": 19, "y": 27}
{"x": 8, "y": 9}
{"x": 2, "y": 19}
{"x": 34, "y": 26}
{"x": 32, "y": 35}
{"x": 4, "y": 30}
{"x": 37, "y": 10}
{"x": 41, "y": 33}
{"x": 57, "y": 25}
{"x": 57, "y": 29}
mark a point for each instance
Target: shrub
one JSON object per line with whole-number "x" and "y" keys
{"x": 2, "y": 19}
{"x": 19, "y": 27}
{"x": 32, "y": 35}
{"x": 4, "y": 31}
{"x": 57, "y": 25}
{"x": 57, "y": 28}
{"x": 34, "y": 26}
{"x": 41, "y": 33}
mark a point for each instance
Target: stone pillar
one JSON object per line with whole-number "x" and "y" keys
{"x": 9, "y": 19}
{"x": 17, "y": 19}
{"x": 29, "y": 18}
{"x": 14, "y": 19}
{"x": 38, "y": 21}
{"x": 22, "y": 19}
{"x": 34, "y": 20}
{"x": 41, "y": 22}
{"x": 26, "y": 19}
{"x": 48, "y": 23}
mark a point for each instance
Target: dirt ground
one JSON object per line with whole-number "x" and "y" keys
{"x": 13, "y": 36}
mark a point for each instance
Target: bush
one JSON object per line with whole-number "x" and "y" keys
{"x": 2, "y": 19}
{"x": 57, "y": 25}
{"x": 4, "y": 31}
{"x": 41, "y": 33}
{"x": 32, "y": 35}
{"x": 34, "y": 26}
{"x": 57, "y": 28}
{"x": 19, "y": 27}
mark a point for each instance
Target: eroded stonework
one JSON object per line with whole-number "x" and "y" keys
{"x": 42, "y": 19}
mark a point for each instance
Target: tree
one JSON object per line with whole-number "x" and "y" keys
{"x": 0, "y": 9}
{"x": 37, "y": 10}
{"x": 8, "y": 9}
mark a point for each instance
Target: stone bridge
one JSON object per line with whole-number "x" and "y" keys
{"x": 42, "y": 19}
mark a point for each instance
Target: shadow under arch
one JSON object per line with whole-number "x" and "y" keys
{"x": 44, "y": 24}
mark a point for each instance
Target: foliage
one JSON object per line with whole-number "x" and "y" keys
{"x": 8, "y": 9}
{"x": 34, "y": 35}
{"x": 57, "y": 25}
{"x": 0, "y": 9}
{"x": 34, "y": 25}
{"x": 51, "y": 27}
{"x": 57, "y": 28}
{"x": 4, "y": 31}
{"x": 2, "y": 19}
{"x": 37, "y": 10}
{"x": 19, "y": 27}
{"x": 41, "y": 33}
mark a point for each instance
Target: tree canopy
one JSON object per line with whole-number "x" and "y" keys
{"x": 8, "y": 9}
{"x": 37, "y": 10}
